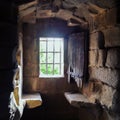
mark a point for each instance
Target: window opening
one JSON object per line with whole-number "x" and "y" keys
{"x": 51, "y": 57}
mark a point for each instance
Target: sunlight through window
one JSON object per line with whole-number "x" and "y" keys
{"x": 51, "y": 57}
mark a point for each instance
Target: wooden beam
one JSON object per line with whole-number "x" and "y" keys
{"x": 27, "y": 5}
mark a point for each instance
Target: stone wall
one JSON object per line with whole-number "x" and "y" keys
{"x": 104, "y": 64}
{"x": 52, "y": 90}
{"x": 31, "y": 33}
{"x": 8, "y": 62}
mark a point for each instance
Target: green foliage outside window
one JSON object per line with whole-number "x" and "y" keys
{"x": 46, "y": 68}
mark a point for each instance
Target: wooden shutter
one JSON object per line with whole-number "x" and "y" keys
{"x": 76, "y": 56}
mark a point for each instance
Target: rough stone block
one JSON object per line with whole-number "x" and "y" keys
{"x": 103, "y": 93}
{"x": 96, "y": 40}
{"x": 112, "y": 16}
{"x": 97, "y": 58}
{"x": 106, "y": 96}
{"x": 93, "y": 90}
{"x": 101, "y": 58}
{"x": 108, "y": 18}
{"x": 93, "y": 57}
{"x": 112, "y": 37}
{"x": 88, "y": 89}
{"x": 113, "y": 57}
{"x": 108, "y": 76}
{"x": 102, "y": 20}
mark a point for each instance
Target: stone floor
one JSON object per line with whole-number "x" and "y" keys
{"x": 41, "y": 114}
{"x": 52, "y": 109}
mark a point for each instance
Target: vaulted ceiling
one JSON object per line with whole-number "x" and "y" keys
{"x": 76, "y": 11}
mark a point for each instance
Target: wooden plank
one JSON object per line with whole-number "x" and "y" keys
{"x": 76, "y": 56}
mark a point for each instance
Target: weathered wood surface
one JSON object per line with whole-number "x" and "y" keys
{"x": 76, "y": 56}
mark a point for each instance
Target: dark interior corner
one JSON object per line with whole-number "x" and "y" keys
{"x": 59, "y": 60}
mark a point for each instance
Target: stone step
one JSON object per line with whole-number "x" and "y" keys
{"x": 77, "y": 100}
{"x": 32, "y": 100}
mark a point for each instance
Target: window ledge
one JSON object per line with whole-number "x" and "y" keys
{"x": 32, "y": 100}
{"x": 45, "y": 76}
{"x": 77, "y": 100}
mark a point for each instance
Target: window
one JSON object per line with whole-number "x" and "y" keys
{"x": 51, "y": 57}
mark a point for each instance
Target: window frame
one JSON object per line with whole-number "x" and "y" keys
{"x": 60, "y": 63}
